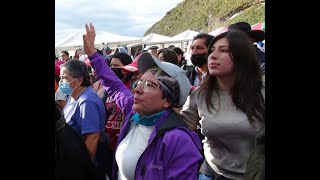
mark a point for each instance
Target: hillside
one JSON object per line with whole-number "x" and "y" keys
{"x": 208, "y": 15}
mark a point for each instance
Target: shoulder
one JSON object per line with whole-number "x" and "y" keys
{"x": 179, "y": 134}
{"x": 196, "y": 93}
{"x": 188, "y": 69}
{"x": 89, "y": 95}
{"x": 182, "y": 137}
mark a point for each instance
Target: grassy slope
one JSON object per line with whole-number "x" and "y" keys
{"x": 207, "y": 15}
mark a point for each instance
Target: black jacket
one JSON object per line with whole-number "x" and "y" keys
{"x": 73, "y": 161}
{"x": 191, "y": 74}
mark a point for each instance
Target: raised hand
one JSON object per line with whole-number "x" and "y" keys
{"x": 88, "y": 40}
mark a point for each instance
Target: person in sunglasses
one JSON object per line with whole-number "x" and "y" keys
{"x": 154, "y": 142}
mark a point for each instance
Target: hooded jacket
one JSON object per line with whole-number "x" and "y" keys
{"x": 173, "y": 151}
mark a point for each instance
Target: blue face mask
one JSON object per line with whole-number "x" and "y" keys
{"x": 65, "y": 87}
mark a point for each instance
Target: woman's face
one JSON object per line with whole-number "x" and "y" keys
{"x": 160, "y": 57}
{"x": 220, "y": 63}
{"x": 64, "y": 57}
{"x": 148, "y": 96}
{"x": 65, "y": 77}
{"x": 116, "y": 66}
{"x": 116, "y": 63}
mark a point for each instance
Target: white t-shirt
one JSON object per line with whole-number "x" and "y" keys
{"x": 130, "y": 150}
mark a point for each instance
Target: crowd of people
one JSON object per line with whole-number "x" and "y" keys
{"x": 153, "y": 116}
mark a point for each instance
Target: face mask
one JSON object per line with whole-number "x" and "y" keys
{"x": 65, "y": 87}
{"x": 118, "y": 72}
{"x": 128, "y": 77}
{"x": 198, "y": 59}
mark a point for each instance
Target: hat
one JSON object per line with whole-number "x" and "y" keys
{"x": 257, "y": 35}
{"x": 146, "y": 61}
{"x": 132, "y": 67}
{"x": 153, "y": 47}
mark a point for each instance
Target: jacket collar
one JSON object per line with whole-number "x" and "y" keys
{"x": 174, "y": 120}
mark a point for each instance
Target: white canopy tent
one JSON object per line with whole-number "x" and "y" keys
{"x": 110, "y": 39}
{"x": 151, "y": 39}
{"x": 186, "y": 35}
{"x": 155, "y": 39}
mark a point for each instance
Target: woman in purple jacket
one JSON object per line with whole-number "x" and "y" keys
{"x": 154, "y": 142}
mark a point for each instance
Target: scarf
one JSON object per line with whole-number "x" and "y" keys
{"x": 146, "y": 120}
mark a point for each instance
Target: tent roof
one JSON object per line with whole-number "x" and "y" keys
{"x": 101, "y": 37}
{"x": 186, "y": 35}
{"x": 155, "y": 39}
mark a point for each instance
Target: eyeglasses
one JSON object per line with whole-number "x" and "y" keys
{"x": 147, "y": 85}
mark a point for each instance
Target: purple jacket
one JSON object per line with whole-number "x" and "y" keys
{"x": 173, "y": 151}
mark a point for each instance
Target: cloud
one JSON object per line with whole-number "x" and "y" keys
{"x": 124, "y": 17}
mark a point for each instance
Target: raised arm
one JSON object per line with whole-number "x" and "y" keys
{"x": 112, "y": 84}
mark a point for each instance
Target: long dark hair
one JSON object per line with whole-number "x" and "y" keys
{"x": 246, "y": 92}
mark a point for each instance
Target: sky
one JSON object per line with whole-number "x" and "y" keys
{"x": 124, "y": 17}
